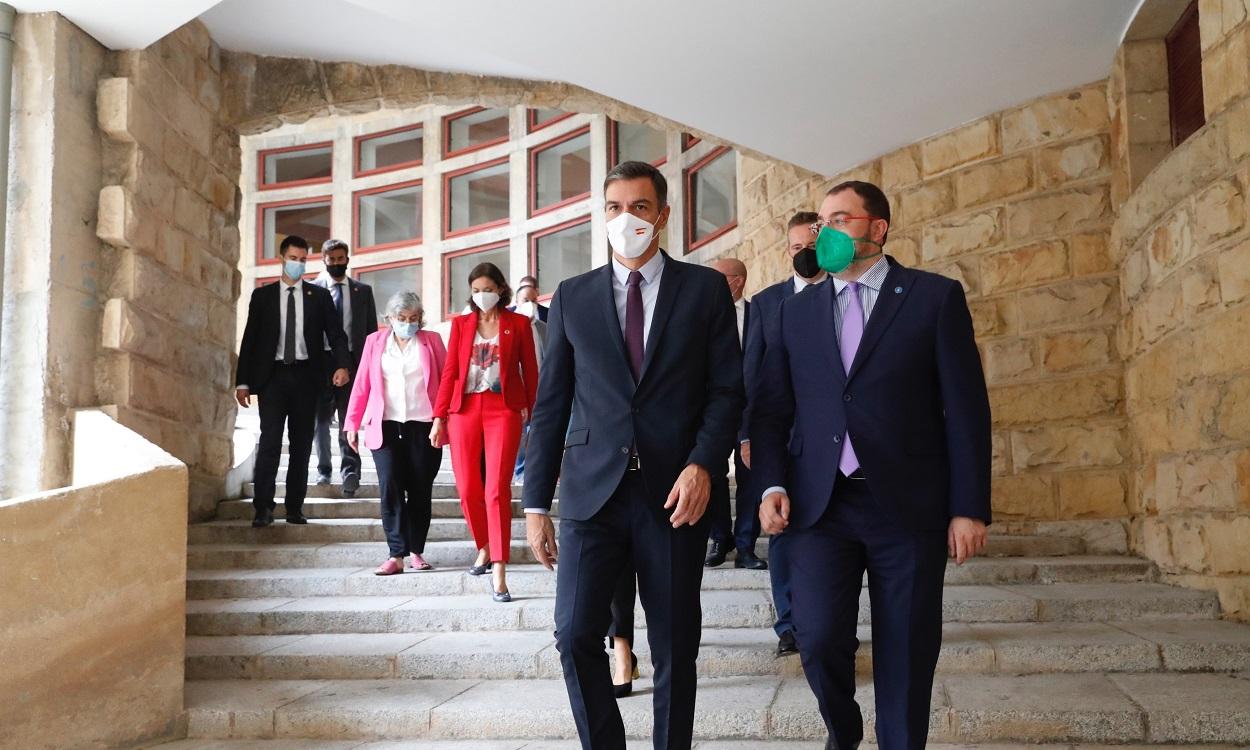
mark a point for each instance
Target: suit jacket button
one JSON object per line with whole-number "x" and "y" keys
{"x": 847, "y": 397}
{"x": 837, "y": 438}
{"x": 624, "y": 449}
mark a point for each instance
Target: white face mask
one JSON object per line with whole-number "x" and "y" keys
{"x": 629, "y": 235}
{"x": 485, "y": 301}
{"x": 526, "y": 309}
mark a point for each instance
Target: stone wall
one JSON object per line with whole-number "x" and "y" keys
{"x": 1182, "y": 243}
{"x": 168, "y": 213}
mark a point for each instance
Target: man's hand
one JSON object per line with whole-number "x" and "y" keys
{"x": 243, "y": 396}
{"x": 775, "y": 513}
{"x": 341, "y": 377}
{"x": 541, "y": 534}
{"x": 744, "y": 450}
{"x": 965, "y": 538}
{"x": 690, "y": 494}
{"x": 353, "y": 439}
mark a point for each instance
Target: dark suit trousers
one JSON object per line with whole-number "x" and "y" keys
{"x": 288, "y": 400}
{"x": 407, "y": 465}
{"x": 779, "y": 577}
{"x": 745, "y": 527}
{"x": 332, "y": 402}
{"x": 631, "y": 530}
{"x": 905, "y": 575}
{"x": 623, "y": 606}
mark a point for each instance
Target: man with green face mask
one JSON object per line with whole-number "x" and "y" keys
{"x": 870, "y": 429}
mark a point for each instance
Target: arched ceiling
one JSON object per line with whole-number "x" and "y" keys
{"x": 825, "y": 84}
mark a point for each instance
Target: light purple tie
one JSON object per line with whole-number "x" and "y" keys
{"x": 848, "y": 343}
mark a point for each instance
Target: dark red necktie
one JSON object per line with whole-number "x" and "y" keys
{"x": 633, "y": 323}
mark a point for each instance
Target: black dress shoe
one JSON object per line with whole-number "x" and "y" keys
{"x": 716, "y": 556}
{"x": 262, "y": 518}
{"x": 626, "y": 690}
{"x": 296, "y": 518}
{"x": 323, "y": 480}
{"x": 786, "y": 644}
{"x": 351, "y": 483}
{"x": 747, "y": 559}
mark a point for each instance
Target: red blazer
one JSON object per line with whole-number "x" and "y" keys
{"x": 367, "y": 402}
{"x": 518, "y": 365}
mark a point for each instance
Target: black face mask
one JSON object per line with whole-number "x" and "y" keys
{"x": 337, "y": 271}
{"x": 805, "y": 263}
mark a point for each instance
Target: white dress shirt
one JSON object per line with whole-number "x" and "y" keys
{"x": 347, "y": 307}
{"x": 650, "y": 287}
{"x": 740, "y": 309}
{"x": 284, "y": 297}
{"x": 403, "y": 383}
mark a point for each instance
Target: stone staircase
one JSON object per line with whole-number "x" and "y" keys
{"x": 293, "y": 643}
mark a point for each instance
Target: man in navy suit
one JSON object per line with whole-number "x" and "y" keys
{"x": 871, "y": 433}
{"x": 643, "y": 358}
{"x": 765, "y": 306}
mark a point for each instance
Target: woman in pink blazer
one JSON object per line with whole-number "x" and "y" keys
{"x": 392, "y": 402}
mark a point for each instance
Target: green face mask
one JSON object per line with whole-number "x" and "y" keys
{"x": 836, "y": 250}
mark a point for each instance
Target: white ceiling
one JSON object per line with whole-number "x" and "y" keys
{"x": 825, "y": 84}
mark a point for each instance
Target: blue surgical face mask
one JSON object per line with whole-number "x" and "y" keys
{"x": 404, "y": 330}
{"x": 293, "y": 269}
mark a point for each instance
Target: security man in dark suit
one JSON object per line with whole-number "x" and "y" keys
{"x": 638, "y": 407}
{"x": 354, "y": 302}
{"x": 281, "y": 360}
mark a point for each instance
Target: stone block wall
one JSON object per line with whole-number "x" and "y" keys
{"x": 1182, "y": 241}
{"x": 168, "y": 215}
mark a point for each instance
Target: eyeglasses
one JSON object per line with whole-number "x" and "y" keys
{"x": 837, "y": 222}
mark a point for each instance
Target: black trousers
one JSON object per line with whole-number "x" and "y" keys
{"x": 407, "y": 465}
{"x": 333, "y": 402}
{"x": 632, "y": 529}
{"x": 288, "y": 401}
{"x": 905, "y": 577}
{"x": 744, "y": 529}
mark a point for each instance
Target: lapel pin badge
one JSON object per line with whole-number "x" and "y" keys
{"x": 898, "y": 290}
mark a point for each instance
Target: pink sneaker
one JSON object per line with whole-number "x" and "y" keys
{"x": 389, "y": 568}
{"x": 419, "y": 563}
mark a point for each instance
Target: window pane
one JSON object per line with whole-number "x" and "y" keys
{"x": 562, "y": 171}
{"x": 478, "y": 128}
{"x": 388, "y": 281}
{"x": 541, "y": 115}
{"x": 714, "y": 195}
{"x": 385, "y": 151}
{"x": 460, "y": 266}
{"x": 308, "y": 220}
{"x": 291, "y": 166}
{"x": 562, "y": 255}
{"x": 478, "y": 197}
{"x": 640, "y": 143}
{"x": 393, "y": 216}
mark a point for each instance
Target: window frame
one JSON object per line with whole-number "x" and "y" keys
{"x": 614, "y": 145}
{"x": 446, "y": 262}
{"x": 532, "y": 125}
{"x": 417, "y": 261}
{"x": 687, "y": 181}
{"x": 532, "y": 177}
{"x": 359, "y": 140}
{"x": 328, "y": 199}
{"x": 1188, "y": 20}
{"x": 263, "y": 154}
{"x": 447, "y": 231}
{"x": 538, "y": 234}
{"x": 358, "y": 194}
{"x": 449, "y": 119}
{"x": 689, "y": 141}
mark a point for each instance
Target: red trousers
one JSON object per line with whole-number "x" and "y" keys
{"x": 486, "y": 422}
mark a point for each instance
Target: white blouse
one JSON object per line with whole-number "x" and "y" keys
{"x": 403, "y": 383}
{"x": 483, "y": 365}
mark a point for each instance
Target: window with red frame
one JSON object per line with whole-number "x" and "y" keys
{"x": 309, "y": 219}
{"x": 389, "y": 150}
{"x": 632, "y": 142}
{"x": 560, "y": 253}
{"x": 474, "y": 129}
{"x": 560, "y": 171}
{"x": 388, "y": 217}
{"x": 541, "y": 118}
{"x": 711, "y": 197}
{"x": 689, "y": 141}
{"x": 476, "y": 198}
{"x": 390, "y": 279}
{"x": 298, "y": 165}
{"x": 456, "y": 268}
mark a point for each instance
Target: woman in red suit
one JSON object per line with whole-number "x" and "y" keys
{"x": 487, "y": 392}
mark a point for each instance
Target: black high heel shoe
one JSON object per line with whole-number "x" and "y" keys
{"x": 624, "y": 691}
{"x": 480, "y": 570}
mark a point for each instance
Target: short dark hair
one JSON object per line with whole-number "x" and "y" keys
{"x": 637, "y": 170}
{"x": 292, "y": 240}
{"x": 333, "y": 244}
{"x": 802, "y": 219}
{"x": 492, "y": 272}
{"x": 875, "y": 202}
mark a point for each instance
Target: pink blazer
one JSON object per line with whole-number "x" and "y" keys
{"x": 368, "y": 400}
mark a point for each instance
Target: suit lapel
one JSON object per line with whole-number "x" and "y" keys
{"x": 828, "y": 300}
{"x": 670, "y": 285}
{"x": 893, "y": 293}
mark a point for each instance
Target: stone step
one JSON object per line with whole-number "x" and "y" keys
{"x": 1063, "y": 602}
{"x": 441, "y": 489}
{"x": 998, "y": 648}
{"x": 318, "y": 508}
{"x": 1116, "y": 708}
{"x": 533, "y": 579}
{"x": 640, "y": 744}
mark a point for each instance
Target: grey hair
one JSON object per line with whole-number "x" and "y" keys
{"x": 401, "y": 301}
